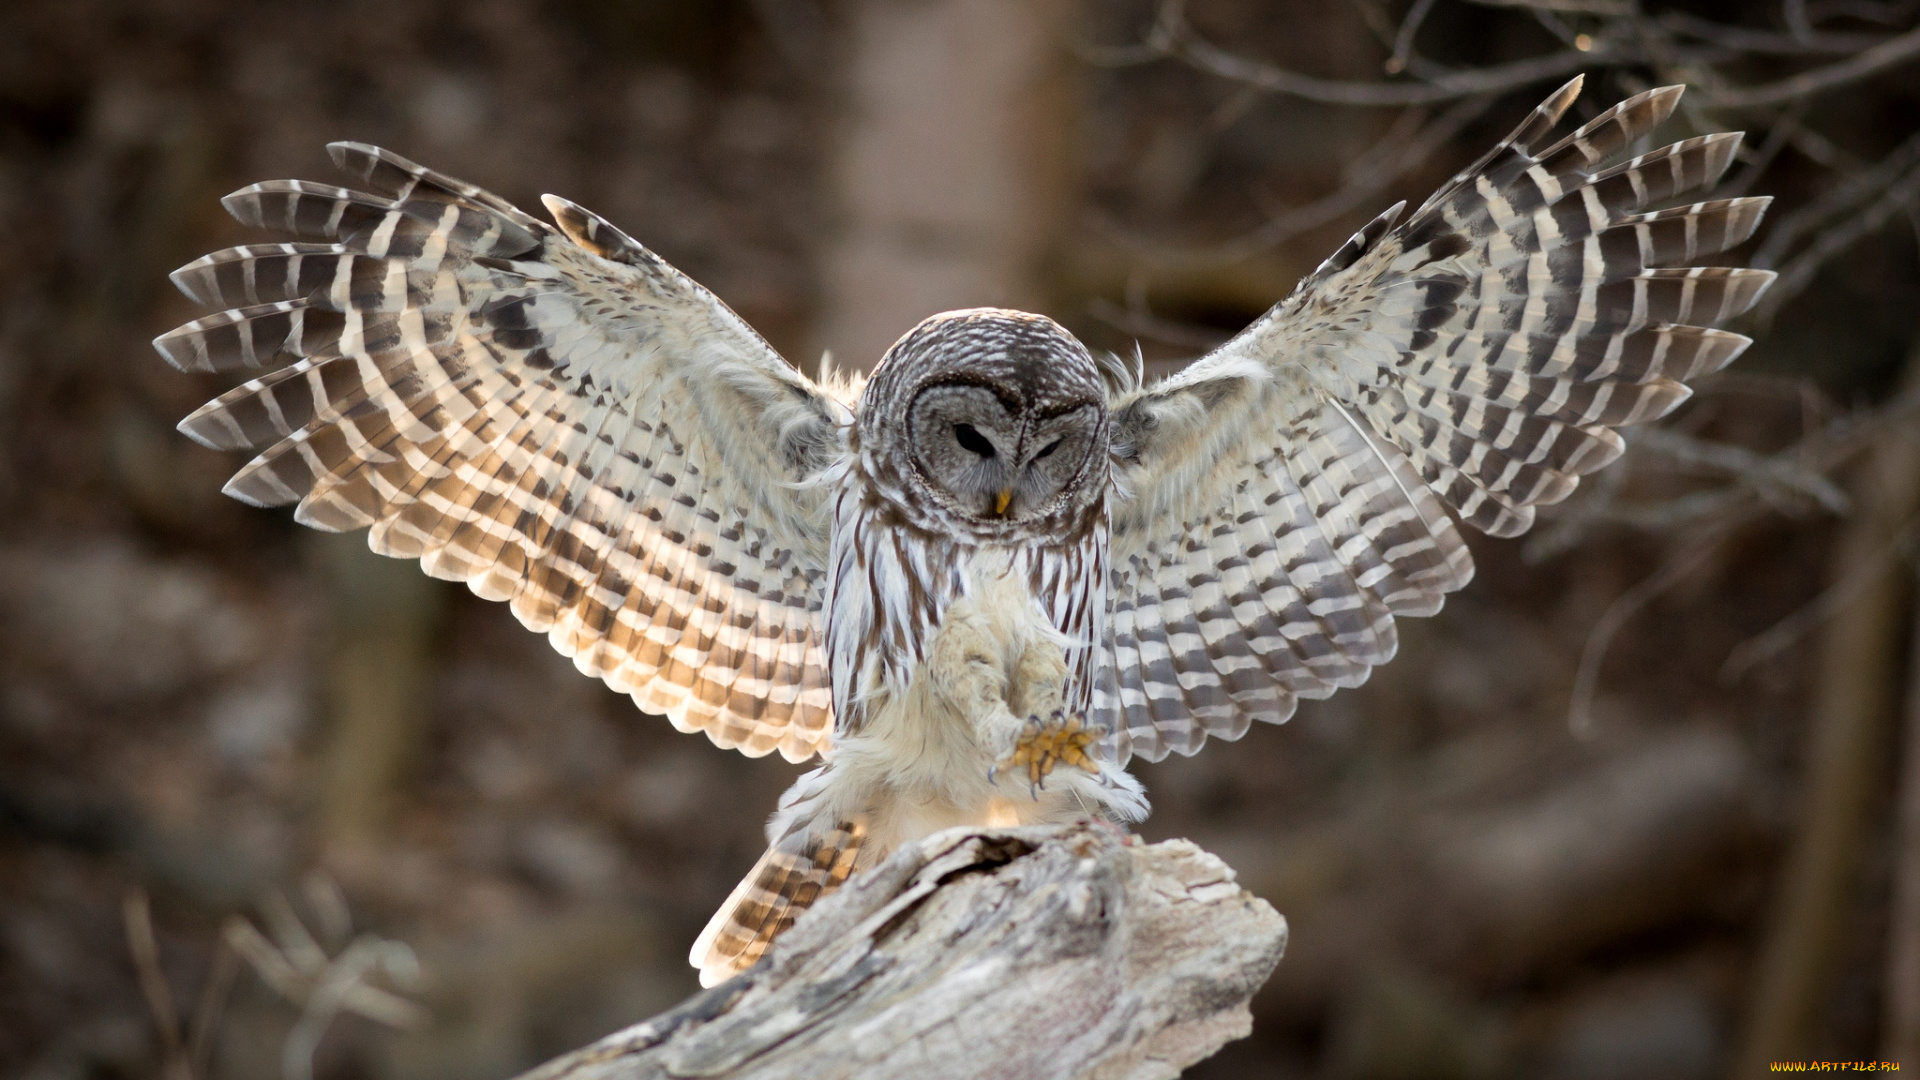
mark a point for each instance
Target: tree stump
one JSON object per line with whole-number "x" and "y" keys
{"x": 1044, "y": 952}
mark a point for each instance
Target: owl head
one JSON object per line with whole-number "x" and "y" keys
{"x": 988, "y": 423}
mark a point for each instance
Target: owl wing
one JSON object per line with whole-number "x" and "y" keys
{"x": 557, "y": 418}
{"x": 1286, "y": 496}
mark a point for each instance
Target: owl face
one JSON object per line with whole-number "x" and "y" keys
{"x": 994, "y": 422}
{"x": 993, "y": 454}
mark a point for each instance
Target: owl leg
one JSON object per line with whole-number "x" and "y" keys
{"x": 966, "y": 666}
{"x": 1038, "y": 690}
{"x": 966, "y": 670}
{"x": 1039, "y": 683}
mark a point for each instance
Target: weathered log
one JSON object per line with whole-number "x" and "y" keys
{"x": 1044, "y": 952}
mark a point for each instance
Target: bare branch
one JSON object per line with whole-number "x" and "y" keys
{"x": 1766, "y": 42}
{"x": 1781, "y": 480}
{"x": 1784, "y": 634}
{"x": 207, "y": 1014}
{"x": 1795, "y": 14}
{"x": 1684, "y": 561}
{"x": 1403, "y": 41}
{"x": 1175, "y": 37}
{"x": 1564, "y": 7}
{"x": 1901, "y": 196}
{"x": 1778, "y": 136}
{"x": 1888, "y": 54}
{"x": 153, "y": 984}
{"x": 1391, "y": 158}
{"x": 1145, "y": 324}
{"x": 297, "y": 968}
{"x": 1880, "y": 12}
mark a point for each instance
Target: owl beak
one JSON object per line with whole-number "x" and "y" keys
{"x": 1000, "y": 501}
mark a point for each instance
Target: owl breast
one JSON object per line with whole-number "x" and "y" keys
{"x": 891, "y": 587}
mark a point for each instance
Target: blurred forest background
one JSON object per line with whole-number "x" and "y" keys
{"x": 1630, "y": 807}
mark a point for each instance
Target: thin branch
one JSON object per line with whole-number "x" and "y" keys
{"x": 1888, "y": 54}
{"x": 1883, "y": 13}
{"x": 1392, "y": 158}
{"x": 1403, "y": 41}
{"x": 1797, "y": 274}
{"x": 145, "y": 948}
{"x": 1779, "y": 479}
{"x": 1782, "y": 635}
{"x": 1766, "y": 42}
{"x": 1794, "y": 13}
{"x": 1836, "y": 199}
{"x": 213, "y": 1002}
{"x": 1564, "y": 7}
{"x": 1177, "y": 38}
{"x": 1145, "y": 324}
{"x": 1778, "y": 136}
{"x": 1587, "y": 679}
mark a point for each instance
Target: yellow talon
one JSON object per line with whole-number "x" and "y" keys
{"x": 1045, "y": 744}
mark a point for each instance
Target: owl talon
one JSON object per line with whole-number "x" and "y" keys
{"x": 1045, "y": 744}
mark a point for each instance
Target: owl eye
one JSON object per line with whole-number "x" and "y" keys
{"x": 1047, "y": 449}
{"x": 970, "y": 438}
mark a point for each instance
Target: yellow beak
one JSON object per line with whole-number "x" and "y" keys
{"x": 1001, "y": 500}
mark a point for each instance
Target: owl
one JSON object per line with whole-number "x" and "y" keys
{"x": 980, "y": 583}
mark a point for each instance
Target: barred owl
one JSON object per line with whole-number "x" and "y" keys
{"x": 978, "y": 586}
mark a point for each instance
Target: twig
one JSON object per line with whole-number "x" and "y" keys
{"x": 1778, "y": 136}
{"x": 207, "y": 1013}
{"x": 1780, "y": 479}
{"x": 295, "y": 966}
{"x": 1395, "y": 155}
{"x": 1884, "y": 12}
{"x": 1570, "y": 7}
{"x": 1403, "y": 41}
{"x": 1782, "y": 635}
{"x": 1175, "y": 37}
{"x": 1794, "y": 14}
{"x": 1759, "y": 480}
{"x": 1847, "y": 193}
{"x": 1747, "y": 39}
{"x": 1799, "y": 273}
{"x": 145, "y": 948}
{"x": 1145, "y": 324}
{"x": 1888, "y": 54}
{"x": 1587, "y": 679}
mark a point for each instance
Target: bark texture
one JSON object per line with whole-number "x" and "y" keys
{"x": 1048, "y": 952}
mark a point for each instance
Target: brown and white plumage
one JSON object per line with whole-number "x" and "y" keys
{"x": 990, "y": 541}
{"x": 559, "y": 419}
{"x": 1290, "y": 489}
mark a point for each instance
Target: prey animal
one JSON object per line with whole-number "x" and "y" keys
{"x": 976, "y": 586}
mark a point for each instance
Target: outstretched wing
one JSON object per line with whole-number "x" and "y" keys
{"x": 557, "y": 418}
{"x": 1289, "y": 491}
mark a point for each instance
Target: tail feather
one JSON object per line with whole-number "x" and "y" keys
{"x": 797, "y": 870}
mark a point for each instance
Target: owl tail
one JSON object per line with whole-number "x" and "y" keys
{"x": 798, "y": 869}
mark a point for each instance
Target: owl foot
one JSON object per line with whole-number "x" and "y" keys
{"x": 1061, "y": 738}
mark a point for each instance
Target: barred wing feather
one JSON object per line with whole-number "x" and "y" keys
{"x": 1288, "y": 495}
{"x": 557, "y": 418}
